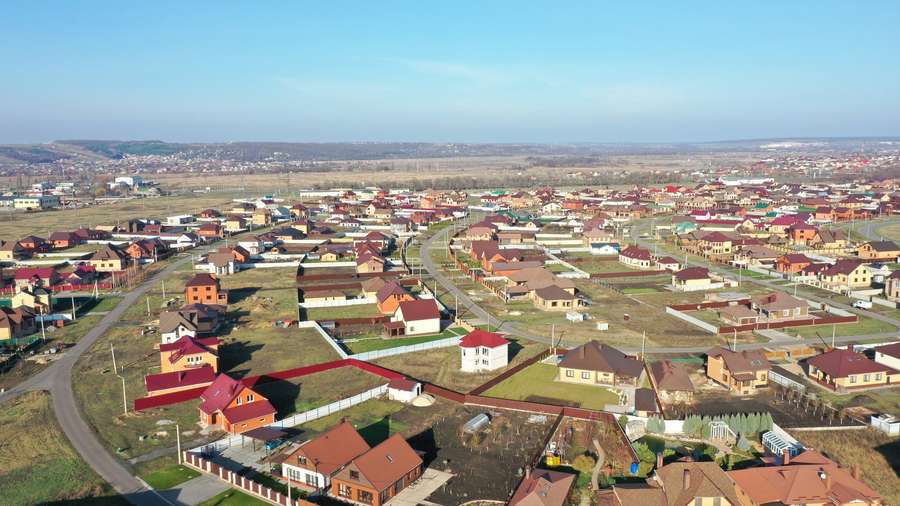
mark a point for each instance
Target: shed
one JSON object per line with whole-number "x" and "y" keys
{"x": 404, "y": 390}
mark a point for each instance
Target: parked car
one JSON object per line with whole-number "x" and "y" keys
{"x": 862, "y": 304}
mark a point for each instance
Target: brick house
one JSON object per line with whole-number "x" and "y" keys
{"x": 316, "y": 461}
{"x": 205, "y": 289}
{"x": 109, "y": 259}
{"x": 379, "y": 474}
{"x": 741, "y": 371}
{"x": 233, "y": 407}
{"x": 189, "y": 353}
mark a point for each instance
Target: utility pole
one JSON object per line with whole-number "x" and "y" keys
{"x": 148, "y": 305}
{"x": 43, "y": 334}
{"x": 643, "y": 345}
{"x": 164, "y": 289}
{"x": 124, "y": 397}
{"x": 178, "y": 442}
{"x": 113, "y": 351}
{"x": 72, "y": 298}
{"x": 833, "y": 332}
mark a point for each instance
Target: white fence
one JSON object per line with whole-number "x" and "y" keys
{"x": 339, "y": 303}
{"x": 334, "y": 407}
{"x": 268, "y": 265}
{"x": 399, "y": 350}
{"x": 693, "y": 321}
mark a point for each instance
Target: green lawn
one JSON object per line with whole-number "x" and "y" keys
{"x": 539, "y": 381}
{"x": 307, "y": 392}
{"x": 331, "y": 313}
{"x": 372, "y": 418}
{"x": 862, "y": 327}
{"x": 638, "y": 290}
{"x": 233, "y": 497}
{"x": 377, "y": 343}
{"x": 166, "y": 478}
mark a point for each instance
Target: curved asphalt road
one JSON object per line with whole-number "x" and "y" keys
{"x": 57, "y": 379}
{"x": 517, "y": 330}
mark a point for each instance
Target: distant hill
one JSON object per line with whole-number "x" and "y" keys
{"x": 118, "y": 149}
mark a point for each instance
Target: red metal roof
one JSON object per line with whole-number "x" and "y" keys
{"x": 419, "y": 309}
{"x": 484, "y": 338}
{"x": 167, "y": 380}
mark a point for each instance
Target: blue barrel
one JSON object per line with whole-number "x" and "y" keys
{"x": 634, "y": 467}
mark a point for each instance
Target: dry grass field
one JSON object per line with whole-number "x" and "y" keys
{"x": 15, "y": 225}
{"x": 877, "y": 454}
{"x": 37, "y": 464}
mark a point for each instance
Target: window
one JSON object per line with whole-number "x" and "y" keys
{"x": 877, "y": 376}
{"x": 865, "y": 378}
{"x": 239, "y": 400}
{"x": 852, "y": 379}
{"x": 344, "y": 490}
{"x": 354, "y": 475}
{"x": 570, "y": 373}
{"x": 585, "y": 375}
{"x": 365, "y": 497}
{"x": 312, "y": 480}
{"x": 249, "y": 397}
{"x": 301, "y": 460}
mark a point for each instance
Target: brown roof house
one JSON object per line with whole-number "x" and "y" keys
{"x": 543, "y": 487}
{"x": 314, "y": 462}
{"x": 672, "y": 381}
{"x": 379, "y": 474}
{"x": 594, "y": 363}
{"x": 677, "y": 484}
{"x": 741, "y": 371}
{"x": 807, "y": 479}
{"x": 846, "y": 370}
{"x": 779, "y": 306}
{"x": 109, "y": 259}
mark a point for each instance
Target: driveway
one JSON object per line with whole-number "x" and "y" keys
{"x": 418, "y": 492}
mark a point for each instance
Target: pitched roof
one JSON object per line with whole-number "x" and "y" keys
{"x": 197, "y": 376}
{"x": 671, "y": 376}
{"x": 484, "y": 338}
{"x": 543, "y": 487}
{"x": 383, "y": 465}
{"x": 203, "y": 279}
{"x": 594, "y": 356}
{"x": 809, "y": 478}
{"x": 332, "y": 450}
{"x": 419, "y": 309}
{"x": 389, "y": 289}
{"x": 255, "y": 409}
{"x": 553, "y": 292}
{"x": 883, "y": 246}
{"x": 218, "y": 395}
{"x": 892, "y": 350}
{"x": 692, "y": 273}
{"x": 745, "y": 361}
{"x": 839, "y": 363}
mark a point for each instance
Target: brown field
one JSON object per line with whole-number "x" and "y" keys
{"x": 15, "y": 225}
{"x": 877, "y": 454}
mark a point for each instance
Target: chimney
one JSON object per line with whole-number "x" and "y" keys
{"x": 686, "y": 482}
{"x": 785, "y": 457}
{"x": 854, "y": 471}
{"x": 659, "y": 460}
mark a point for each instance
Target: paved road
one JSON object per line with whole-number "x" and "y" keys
{"x": 57, "y": 379}
{"x": 438, "y": 240}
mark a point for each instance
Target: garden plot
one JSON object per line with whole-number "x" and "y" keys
{"x": 537, "y": 383}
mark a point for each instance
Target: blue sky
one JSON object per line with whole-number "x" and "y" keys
{"x": 492, "y": 71}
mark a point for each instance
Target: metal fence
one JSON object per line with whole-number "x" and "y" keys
{"x": 318, "y": 328}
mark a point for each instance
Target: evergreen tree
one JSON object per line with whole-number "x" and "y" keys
{"x": 766, "y": 422}
{"x": 743, "y": 443}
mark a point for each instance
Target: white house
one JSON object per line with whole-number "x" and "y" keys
{"x": 173, "y": 325}
{"x": 483, "y": 351}
{"x": 404, "y": 390}
{"x": 253, "y": 246}
{"x": 888, "y": 355}
{"x": 604, "y": 248}
{"x": 420, "y": 316}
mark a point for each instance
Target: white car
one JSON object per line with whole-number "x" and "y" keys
{"x": 862, "y": 304}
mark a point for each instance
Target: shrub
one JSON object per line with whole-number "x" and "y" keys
{"x": 584, "y": 463}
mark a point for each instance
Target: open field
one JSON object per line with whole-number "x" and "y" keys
{"x": 538, "y": 383}
{"x": 862, "y": 327}
{"x": 307, "y": 392}
{"x": 37, "y": 464}
{"x": 379, "y": 343}
{"x": 15, "y": 225}
{"x": 877, "y": 454}
{"x": 442, "y": 366}
{"x": 331, "y": 313}
{"x": 250, "y": 352}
